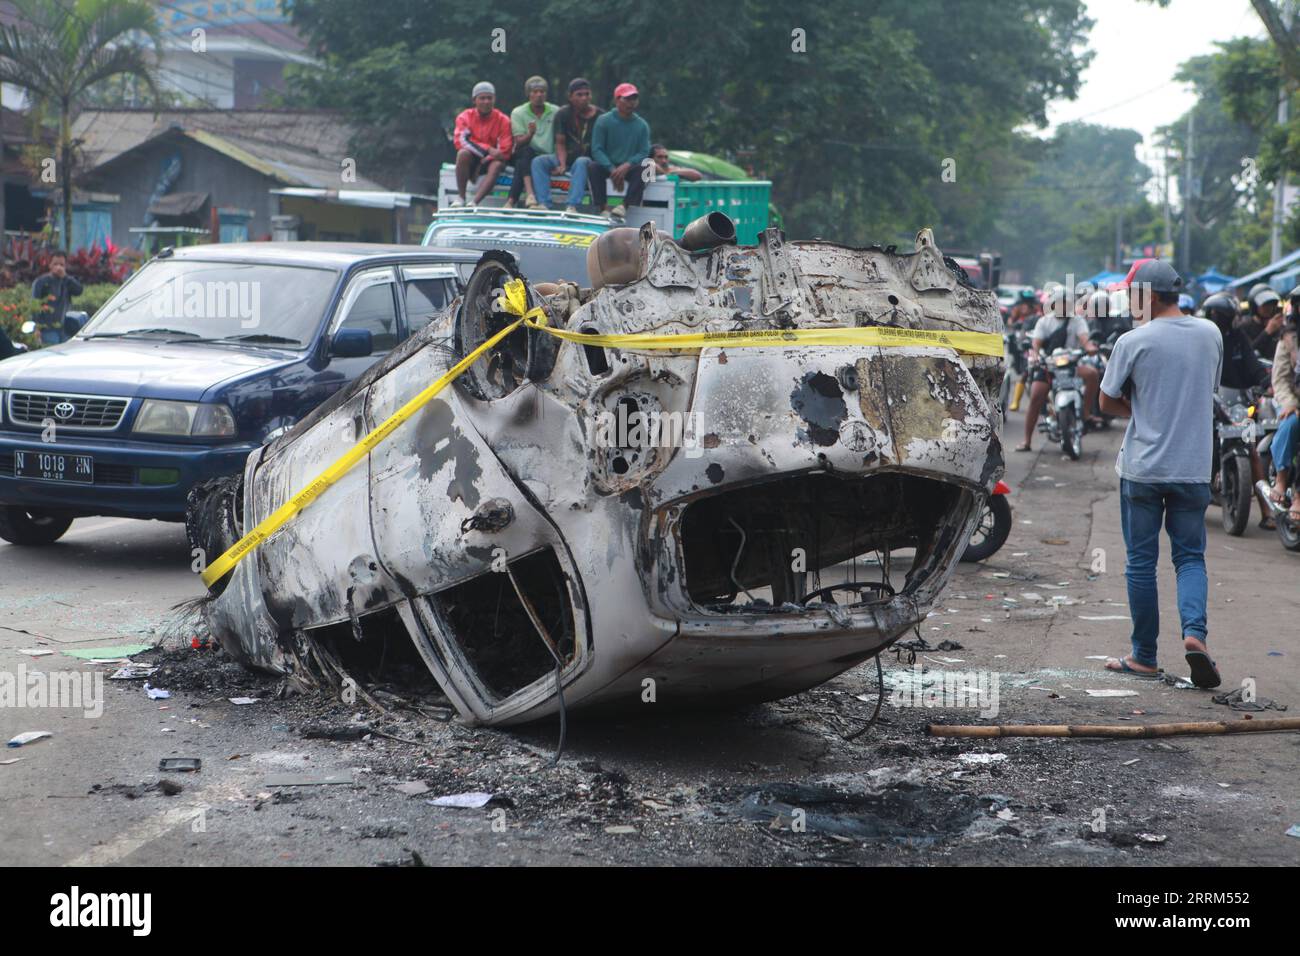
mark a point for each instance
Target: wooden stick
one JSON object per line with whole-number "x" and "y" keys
{"x": 1102, "y": 730}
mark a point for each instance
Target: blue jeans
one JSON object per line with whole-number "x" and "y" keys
{"x": 1181, "y": 506}
{"x": 1283, "y": 445}
{"x": 543, "y": 166}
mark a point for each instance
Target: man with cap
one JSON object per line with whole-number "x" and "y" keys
{"x": 483, "y": 144}
{"x": 573, "y": 125}
{"x": 1264, "y": 325}
{"x": 619, "y": 143}
{"x": 1162, "y": 376}
{"x": 532, "y": 125}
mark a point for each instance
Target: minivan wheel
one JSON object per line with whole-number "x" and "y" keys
{"x": 19, "y": 525}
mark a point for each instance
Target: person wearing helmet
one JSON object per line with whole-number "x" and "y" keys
{"x": 1264, "y": 325}
{"x": 1186, "y": 304}
{"x": 1024, "y": 313}
{"x": 1055, "y": 330}
{"x": 1286, "y": 392}
{"x": 1242, "y": 369}
{"x": 1162, "y": 378}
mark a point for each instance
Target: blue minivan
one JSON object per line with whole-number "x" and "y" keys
{"x": 204, "y": 354}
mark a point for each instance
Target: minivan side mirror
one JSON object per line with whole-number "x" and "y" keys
{"x": 352, "y": 343}
{"x": 73, "y": 322}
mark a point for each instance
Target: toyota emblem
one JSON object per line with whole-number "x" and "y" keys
{"x": 65, "y": 410}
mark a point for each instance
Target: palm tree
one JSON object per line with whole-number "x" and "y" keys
{"x": 57, "y": 50}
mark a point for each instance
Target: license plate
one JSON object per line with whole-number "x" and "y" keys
{"x": 54, "y": 466}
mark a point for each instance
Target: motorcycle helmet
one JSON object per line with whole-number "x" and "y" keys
{"x": 1262, "y": 298}
{"x": 1221, "y": 309}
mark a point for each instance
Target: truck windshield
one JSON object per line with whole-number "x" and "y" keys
{"x": 186, "y": 299}
{"x": 544, "y": 254}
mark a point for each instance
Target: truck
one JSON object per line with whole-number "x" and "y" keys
{"x": 554, "y": 244}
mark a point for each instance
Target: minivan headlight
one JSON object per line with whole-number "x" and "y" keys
{"x": 201, "y": 420}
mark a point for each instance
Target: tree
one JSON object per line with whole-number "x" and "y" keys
{"x": 58, "y": 50}
{"x": 850, "y": 107}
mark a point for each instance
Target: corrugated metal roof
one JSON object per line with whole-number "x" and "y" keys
{"x": 294, "y": 147}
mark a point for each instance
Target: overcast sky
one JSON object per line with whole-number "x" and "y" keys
{"x": 1138, "y": 48}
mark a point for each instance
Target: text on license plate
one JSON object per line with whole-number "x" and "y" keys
{"x": 54, "y": 466}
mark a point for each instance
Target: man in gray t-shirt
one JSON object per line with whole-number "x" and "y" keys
{"x": 1162, "y": 376}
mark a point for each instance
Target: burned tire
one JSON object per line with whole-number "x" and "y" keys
{"x": 33, "y": 528}
{"x": 1236, "y": 494}
{"x": 991, "y": 531}
{"x": 214, "y": 520}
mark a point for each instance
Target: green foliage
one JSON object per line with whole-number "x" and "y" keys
{"x": 852, "y": 127}
{"x": 17, "y": 306}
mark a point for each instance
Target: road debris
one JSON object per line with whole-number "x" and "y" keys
{"x": 156, "y": 693}
{"x": 1108, "y": 692}
{"x": 309, "y": 780}
{"x": 1237, "y": 700}
{"x": 132, "y": 672}
{"x": 412, "y": 788}
{"x": 464, "y": 801}
{"x": 1197, "y": 728}
{"x": 29, "y": 737}
{"x": 180, "y": 764}
{"x": 35, "y": 651}
{"x": 102, "y": 654}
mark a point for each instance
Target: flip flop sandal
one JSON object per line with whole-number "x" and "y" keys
{"x": 1124, "y": 668}
{"x": 1023, "y": 448}
{"x": 1205, "y": 674}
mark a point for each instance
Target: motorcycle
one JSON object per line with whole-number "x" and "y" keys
{"x": 1063, "y": 418}
{"x": 993, "y": 526}
{"x": 1288, "y": 531}
{"x": 1235, "y": 433}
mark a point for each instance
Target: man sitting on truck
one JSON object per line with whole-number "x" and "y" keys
{"x": 659, "y": 153}
{"x": 573, "y": 126}
{"x": 619, "y": 142}
{"x": 483, "y": 144}
{"x": 533, "y": 126}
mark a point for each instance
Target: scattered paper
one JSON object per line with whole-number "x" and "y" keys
{"x": 156, "y": 693}
{"x": 307, "y": 779}
{"x": 34, "y": 651}
{"x": 1005, "y": 814}
{"x": 1097, "y": 657}
{"x": 30, "y": 736}
{"x": 1129, "y": 763}
{"x": 132, "y": 672}
{"x": 1152, "y": 837}
{"x": 464, "y": 801}
{"x": 981, "y": 758}
{"x": 1105, "y": 617}
{"x": 1111, "y": 693}
{"x": 1293, "y": 830}
{"x": 620, "y": 829}
{"x": 241, "y": 701}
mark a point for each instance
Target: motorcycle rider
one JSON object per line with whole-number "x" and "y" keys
{"x": 1264, "y": 324}
{"x": 1022, "y": 313}
{"x": 1286, "y": 392}
{"x": 1058, "y": 328}
{"x": 1242, "y": 369}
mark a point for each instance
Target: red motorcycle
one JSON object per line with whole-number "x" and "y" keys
{"x": 993, "y": 526}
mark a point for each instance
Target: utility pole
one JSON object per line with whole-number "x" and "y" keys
{"x": 1283, "y": 115}
{"x": 1185, "y": 252}
{"x": 1119, "y": 240}
{"x": 1164, "y": 175}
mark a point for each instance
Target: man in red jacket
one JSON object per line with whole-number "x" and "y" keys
{"x": 483, "y": 144}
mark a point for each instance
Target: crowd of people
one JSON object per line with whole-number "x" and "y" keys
{"x": 594, "y": 147}
{"x": 1169, "y": 354}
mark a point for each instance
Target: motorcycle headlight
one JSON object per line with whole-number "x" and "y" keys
{"x": 1062, "y": 361}
{"x": 158, "y": 417}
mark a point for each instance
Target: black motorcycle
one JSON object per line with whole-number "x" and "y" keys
{"x": 1235, "y": 433}
{"x": 1063, "y": 416}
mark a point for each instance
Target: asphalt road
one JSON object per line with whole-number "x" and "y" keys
{"x": 714, "y": 787}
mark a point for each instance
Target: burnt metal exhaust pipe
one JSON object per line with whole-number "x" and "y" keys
{"x": 713, "y": 229}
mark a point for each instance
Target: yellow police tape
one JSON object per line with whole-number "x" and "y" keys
{"x": 515, "y": 301}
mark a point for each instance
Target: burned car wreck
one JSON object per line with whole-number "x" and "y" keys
{"x": 713, "y": 523}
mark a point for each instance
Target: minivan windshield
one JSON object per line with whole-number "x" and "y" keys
{"x": 187, "y": 300}
{"x": 545, "y": 253}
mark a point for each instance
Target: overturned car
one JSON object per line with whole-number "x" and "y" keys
{"x": 571, "y": 524}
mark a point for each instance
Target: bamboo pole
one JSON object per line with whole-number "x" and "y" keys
{"x": 1246, "y": 726}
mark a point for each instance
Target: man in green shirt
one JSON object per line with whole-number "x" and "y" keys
{"x": 533, "y": 127}
{"x": 620, "y": 142}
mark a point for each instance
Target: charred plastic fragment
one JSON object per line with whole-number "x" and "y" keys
{"x": 724, "y": 522}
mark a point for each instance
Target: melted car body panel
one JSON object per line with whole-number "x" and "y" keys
{"x": 646, "y": 522}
